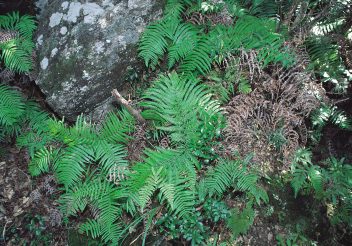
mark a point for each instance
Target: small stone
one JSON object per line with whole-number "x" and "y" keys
{"x": 270, "y": 236}
{"x": 2, "y": 209}
{"x": 9, "y": 193}
{"x": 25, "y": 200}
{"x": 17, "y": 211}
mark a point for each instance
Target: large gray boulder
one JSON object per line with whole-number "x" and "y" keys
{"x": 85, "y": 48}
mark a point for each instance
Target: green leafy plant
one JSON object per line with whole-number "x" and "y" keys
{"x": 195, "y": 51}
{"x": 215, "y": 210}
{"x": 240, "y": 221}
{"x": 228, "y": 174}
{"x": 83, "y": 159}
{"x": 16, "y": 113}
{"x": 330, "y": 182}
{"x": 12, "y": 108}
{"x": 16, "y": 43}
{"x": 295, "y": 237}
{"x": 184, "y": 109}
{"x": 191, "y": 228}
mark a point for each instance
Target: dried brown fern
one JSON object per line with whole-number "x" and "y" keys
{"x": 138, "y": 143}
{"x": 269, "y": 121}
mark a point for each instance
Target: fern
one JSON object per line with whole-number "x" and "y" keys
{"x": 169, "y": 171}
{"x": 103, "y": 195}
{"x": 12, "y": 106}
{"x": 251, "y": 33}
{"x": 240, "y": 222}
{"x": 184, "y": 40}
{"x": 325, "y": 114}
{"x": 232, "y": 174}
{"x": 25, "y": 25}
{"x": 185, "y": 108}
{"x": 305, "y": 175}
{"x": 71, "y": 167}
{"x": 43, "y": 160}
{"x": 116, "y": 126}
{"x": 199, "y": 58}
{"x": 153, "y": 44}
{"x": 17, "y": 51}
{"x": 331, "y": 183}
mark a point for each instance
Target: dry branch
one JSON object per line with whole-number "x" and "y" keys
{"x": 122, "y": 101}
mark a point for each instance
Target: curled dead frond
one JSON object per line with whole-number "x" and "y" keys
{"x": 213, "y": 19}
{"x": 269, "y": 121}
{"x": 138, "y": 143}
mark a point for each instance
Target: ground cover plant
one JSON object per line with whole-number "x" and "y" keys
{"x": 238, "y": 110}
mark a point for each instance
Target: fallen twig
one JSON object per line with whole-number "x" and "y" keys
{"x": 124, "y": 102}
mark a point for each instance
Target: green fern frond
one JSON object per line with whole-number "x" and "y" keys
{"x": 103, "y": 194}
{"x": 199, "y": 59}
{"x": 244, "y": 86}
{"x": 153, "y": 44}
{"x": 151, "y": 184}
{"x": 227, "y": 174}
{"x": 116, "y": 126}
{"x": 184, "y": 107}
{"x": 241, "y": 221}
{"x": 14, "y": 57}
{"x": 72, "y": 165}
{"x": 184, "y": 41}
{"x": 249, "y": 33}
{"x": 42, "y": 161}
{"x": 17, "y": 51}
{"x": 24, "y": 24}
{"x": 12, "y": 106}
{"x": 315, "y": 177}
{"x": 109, "y": 155}
{"x": 169, "y": 171}
{"x": 298, "y": 181}
{"x": 109, "y": 233}
{"x": 173, "y": 9}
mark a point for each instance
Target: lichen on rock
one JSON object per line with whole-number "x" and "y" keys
{"x": 84, "y": 49}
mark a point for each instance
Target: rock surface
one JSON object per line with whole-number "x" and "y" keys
{"x": 85, "y": 48}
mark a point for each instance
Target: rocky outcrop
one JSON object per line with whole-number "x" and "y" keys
{"x": 85, "y": 48}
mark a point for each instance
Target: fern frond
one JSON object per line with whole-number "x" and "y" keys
{"x": 184, "y": 41}
{"x": 109, "y": 233}
{"x": 24, "y": 24}
{"x": 153, "y": 44}
{"x": 227, "y": 174}
{"x": 116, "y": 126}
{"x": 12, "y": 106}
{"x": 16, "y": 52}
{"x": 241, "y": 221}
{"x": 42, "y": 161}
{"x": 151, "y": 184}
{"x": 72, "y": 165}
{"x": 14, "y": 57}
{"x": 249, "y": 33}
{"x": 316, "y": 179}
{"x": 104, "y": 195}
{"x": 169, "y": 171}
{"x": 109, "y": 155}
{"x": 184, "y": 105}
{"x": 199, "y": 59}
{"x": 173, "y": 10}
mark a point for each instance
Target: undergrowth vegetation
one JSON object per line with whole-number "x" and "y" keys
{"x": 236, "y": 102}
